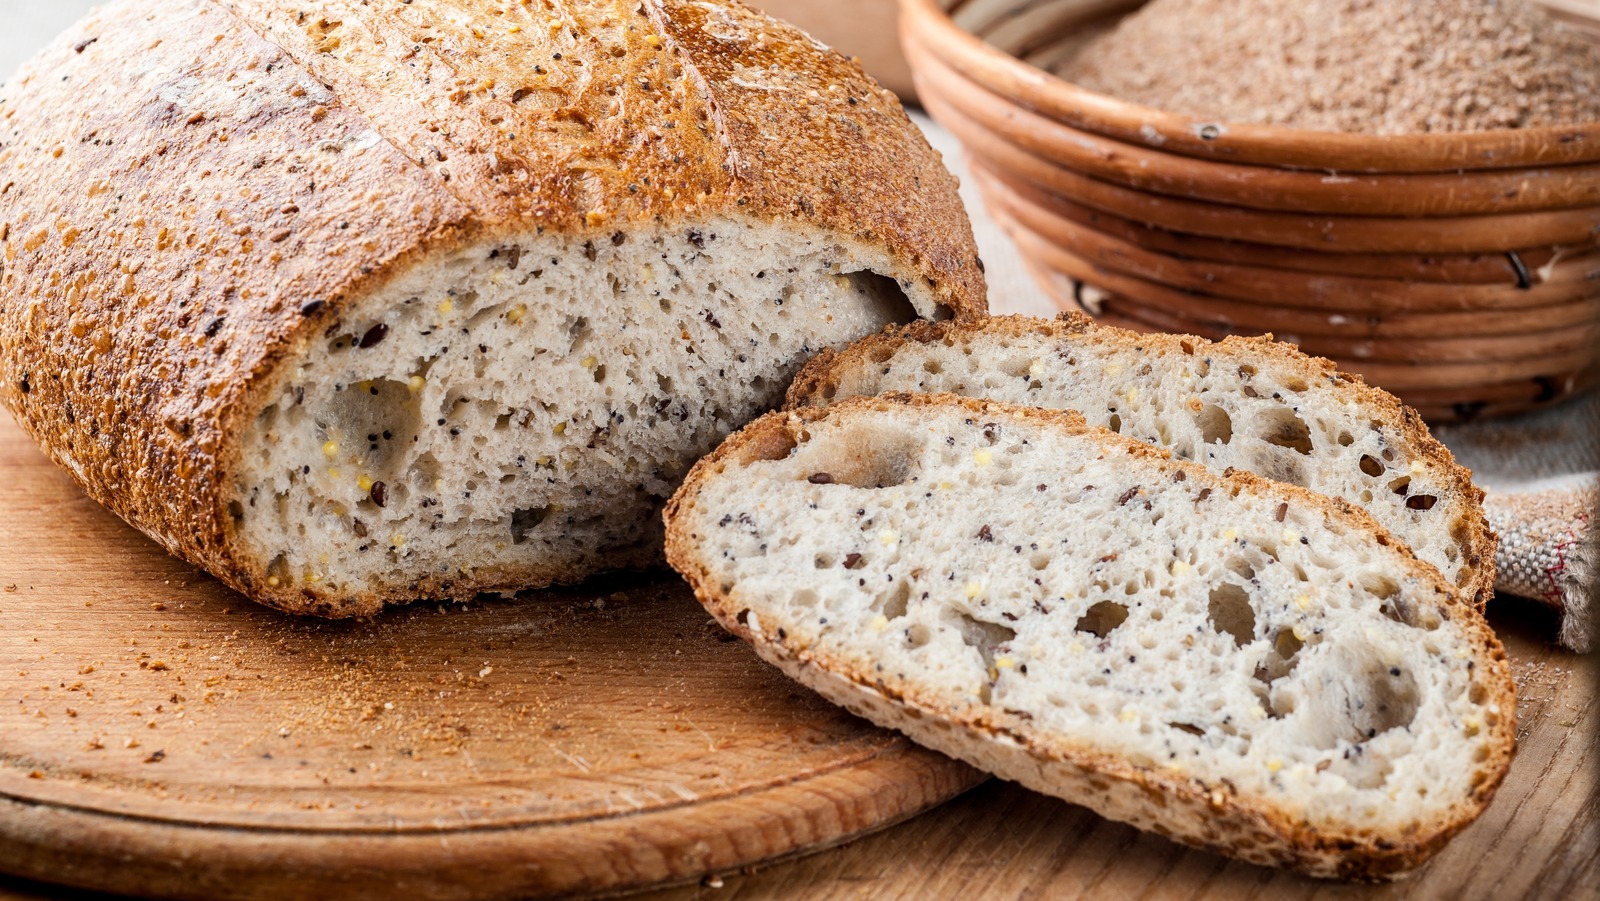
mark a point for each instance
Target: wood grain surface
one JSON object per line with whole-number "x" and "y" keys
{"x": 160, "y": 735}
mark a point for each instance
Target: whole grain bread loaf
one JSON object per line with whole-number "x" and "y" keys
{"x": 1241, "y": 403}
{"x": 1234, "y": 663}
{"x": 355, "y": 303}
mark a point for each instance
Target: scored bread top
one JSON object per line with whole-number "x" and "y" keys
{"x": 191, "y": 191}
{"x": 1232, "y": 662}
{"x": 1246, "y": 403}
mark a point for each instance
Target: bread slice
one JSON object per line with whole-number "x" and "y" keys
{"x": 1234, "y": 663}
{"x": 356, "y": 303}
{"x": 1241, "y": 403}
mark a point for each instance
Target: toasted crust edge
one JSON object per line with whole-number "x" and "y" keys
{"x": 814, "y": 383}
{"x": 1145, "y": 799}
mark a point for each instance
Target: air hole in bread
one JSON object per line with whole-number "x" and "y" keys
{"x": 278, "y": 568}
{"x": 886, "y": 300}
{"x": 386, "y": 410}
{"x": 1352, "y": 695}
{"x": 774, "y": 445}
{"x": 987, "y": 638}
{"x": 1190, "y": 728}
{"x": 1279, "y": 468}
{"x": 1400, "y": 486}
{"x": 1101, "y": 618}
{"x": 1287, "y": 644}
{"x": 1216, "y": 426}
{"x": 1371, "y": 466}
{"x": 1039, "y": 561}
{"x": 1015, "y": 365}
{"x": 1282, "y": 427}
{"x": 525, "y": 521}
{"x": 1114, "y": 423}
{"x": 1231, "y": 614}
{"x": 424, "y": 472}
{"x": 932, "y": 367}
{"x": 1426, "y": 620}
{"x": 893, "y": 605}
{"x": 1382, "y": 587}
{"x": 1346, "y": 439}
{"x": 1395, "y": 608}
{"x": 1241, "y": 568}
{"x": 918, "y": 635}
{"x": 868, "y": 456}
{"x": 1279, "y": 697}
{"x": 397, "y": 495}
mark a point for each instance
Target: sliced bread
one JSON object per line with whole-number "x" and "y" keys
{"x": 1235, "y": 663}
{"x": 1242, "y": 403}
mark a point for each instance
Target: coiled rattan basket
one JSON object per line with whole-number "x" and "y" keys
{"x": 1460, "y": 271}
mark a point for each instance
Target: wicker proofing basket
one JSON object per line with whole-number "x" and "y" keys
{"x": 1460, "y": 271}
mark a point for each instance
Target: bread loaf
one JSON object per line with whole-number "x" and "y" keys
{"x": 1242, "y": 403}
{"x": 1234, "y": 663}
{"x": 354, "y": 303}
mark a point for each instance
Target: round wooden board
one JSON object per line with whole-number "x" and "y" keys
{"x": 163, "y": 736}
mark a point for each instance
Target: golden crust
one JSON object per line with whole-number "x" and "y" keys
{"x": 1185, "y": 809}
{"x": 816, "y": 383}
{"x": 191, "y": 192}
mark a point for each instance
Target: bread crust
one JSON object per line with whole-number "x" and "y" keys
{"x": 1185, "y": 809}
{"x": 192, "y": 192}
{"x": 816, "y": 382}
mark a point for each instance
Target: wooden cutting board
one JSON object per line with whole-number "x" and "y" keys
{"x": 160, "y": 735}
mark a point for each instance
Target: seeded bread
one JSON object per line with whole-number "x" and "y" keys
{"x": 355, "y": 303}
{"x": 1241, "y": 403}
{"x": 1234, "y": 663}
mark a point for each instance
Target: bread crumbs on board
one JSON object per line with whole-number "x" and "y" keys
{"x": 1384, "y": 67}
